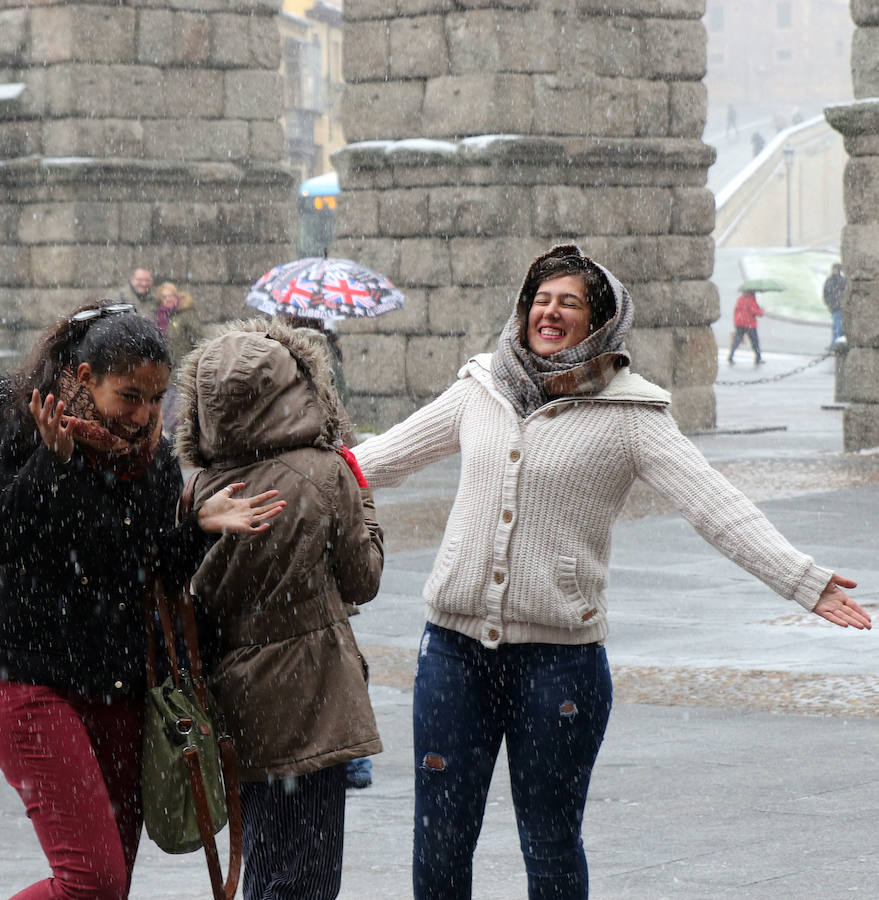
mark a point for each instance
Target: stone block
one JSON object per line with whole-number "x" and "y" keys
{"x": 431, "y": 364}
{"x": 374, "y": 363}
{"x": 13, "y": 35}
{"x": 358, "y": 10}
{"x": 368, "y": 50}
{"x": 96, "y": 222}
{"x": 865, "y": 62}
{"x": 694, "y": 408}
{"x": 652, "y": 109}
{"x": 403, "y": 213}
{"x": 189, "y": 92}
{"x": 82, "y": 32}
{"x": 693, "y": 211}
{"x": 470, "y": 311}
{"x": 418, "y": 48}
{"x": 678, "y": 302}
{"x": 379, "y": 110}
{"x": 252, "y": 94}
{"x": 481, "y": 262}
{"x": 248, "y": 262}
{"x": 861, "y": 312}
{"x": 498, "y": 40}
{"x": 19, "y": 139}
{"x": 860, "y": 250}
{"x": 257, "y": 224}
{"x": 865, "y": 12}
{"x": 10, "y": 215}
{"x": 492, "y": 103}
{"x": 156, "y": 37}
{"x": 675, "y": 50}
{"x": 231, "y": 40}
{"x": 862, "y": 375}
{"x": 197, "y": 139}
{"x": 357, "y": 214}
{"x": 424, "y": 261}
{"x": 48, "y": 223}
{"x": 490, "y": 211}
{"x": 683, "y": 256}
{"x": 135, "y": 223}
{"x": 371, "y": 412}
{"x": 860, "y": 426}
{"x": 29, "y": 310}
{"x": 652, "y": 351}
{"x": 630, "y": 258}
{"x": 82, "y": 265}
{"x": 688, "y": 109}
{"x": 617, "y": 45}
{"x": 423, "y": 7}
{"x": 671, "y": 9}
{"x": 267, "y": 140}
{"x": 205, "y": 264}
{"x": 861, "y": 189}
{"x": 695, "y": 362}
{"x": 264, "y": 41}
{"x": 16, "y": 265}
{"x": 187, "y": 223}
{"x": 564, "y": 106}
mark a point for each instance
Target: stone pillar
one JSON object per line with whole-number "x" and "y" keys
{"x": 145, "y": 135}
{"x": 858, "y": 123}
{"x": 482, "y": 136}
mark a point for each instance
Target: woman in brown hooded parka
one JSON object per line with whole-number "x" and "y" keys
{"x": 258, "y": 405}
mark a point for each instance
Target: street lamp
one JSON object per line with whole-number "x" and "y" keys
{"x": 788, "y": 166}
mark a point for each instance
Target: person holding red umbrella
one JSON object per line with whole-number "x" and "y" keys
{"x": 745, "y": 321}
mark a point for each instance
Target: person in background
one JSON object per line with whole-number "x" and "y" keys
{"x": 834, "y": 288}
{"x": 138, "y": 291}
{"x": 88, "y": 494}
{"x": 553, "y": 430}
{"x": 258, "y": 402}
{"x": 745, "y": 323}
{"x": 177, "y": 319}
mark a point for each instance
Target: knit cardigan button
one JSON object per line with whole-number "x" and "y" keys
{"x": 498, "y": 577}
{"x": 551, "y": 413}
{"x": 507, "y": 516}
{"x": 493, "y": 634}
{"x": 514, "y": 455}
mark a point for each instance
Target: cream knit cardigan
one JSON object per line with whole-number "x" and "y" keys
{"x": 526, "y": 547}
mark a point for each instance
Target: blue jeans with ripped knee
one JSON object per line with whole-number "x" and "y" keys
{"x": 551, "y": 703}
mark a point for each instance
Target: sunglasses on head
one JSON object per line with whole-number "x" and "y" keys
{"x": 98, "y": 312}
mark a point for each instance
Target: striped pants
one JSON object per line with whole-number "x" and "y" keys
{"x": 293, "y": 831}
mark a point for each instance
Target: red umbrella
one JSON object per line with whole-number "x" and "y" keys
{"x": 324, "y": 288}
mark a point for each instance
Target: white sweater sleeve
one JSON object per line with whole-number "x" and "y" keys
{"x": 719, "y": 512}
{"x": 426, "y": 436}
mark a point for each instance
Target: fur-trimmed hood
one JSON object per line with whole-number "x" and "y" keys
{"x": 258, "y": 388}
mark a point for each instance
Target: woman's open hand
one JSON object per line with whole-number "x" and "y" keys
{"x": 56, "y": 434}
{"x": 837, "y": 607}
{"x": 224, "y": 514}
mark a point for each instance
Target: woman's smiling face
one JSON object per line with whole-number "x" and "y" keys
{"x": 559, "y": 316}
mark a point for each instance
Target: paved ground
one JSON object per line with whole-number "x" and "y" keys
{"x": 742, "y": 758}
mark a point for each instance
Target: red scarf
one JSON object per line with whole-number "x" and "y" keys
{"x": 124, "y": 456}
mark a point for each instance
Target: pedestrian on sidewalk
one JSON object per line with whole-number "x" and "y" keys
{"x": 553, "y": 429}
{"x": 258, "y": 401}
{"x": 88, "y": 492}
{"x": 834, "y": 288}
{"x": 745, "y": 322}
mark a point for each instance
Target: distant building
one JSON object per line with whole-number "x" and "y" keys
{"x": 795, "y": 52}
{"x": 311, "y": 36}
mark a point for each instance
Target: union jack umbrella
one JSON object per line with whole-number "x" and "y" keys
{"x": 324, "y": 288}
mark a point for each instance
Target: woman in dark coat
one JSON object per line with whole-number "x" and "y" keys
{"x": 88, "y": 492}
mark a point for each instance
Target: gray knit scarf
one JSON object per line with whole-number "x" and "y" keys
{"x": 529, "y": 381}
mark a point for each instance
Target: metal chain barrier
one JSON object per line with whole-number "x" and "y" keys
{"x": 771, "y": 378}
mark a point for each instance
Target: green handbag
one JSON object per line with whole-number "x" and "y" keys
{"x": 189, "y": 779}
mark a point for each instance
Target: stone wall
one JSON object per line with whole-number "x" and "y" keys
{"x": 147, "y": 134}
{"x": 858, "y": 123}
{"x": 484, "y": 133}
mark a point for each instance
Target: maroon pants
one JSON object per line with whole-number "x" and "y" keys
{"x": 76, "y": 766}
